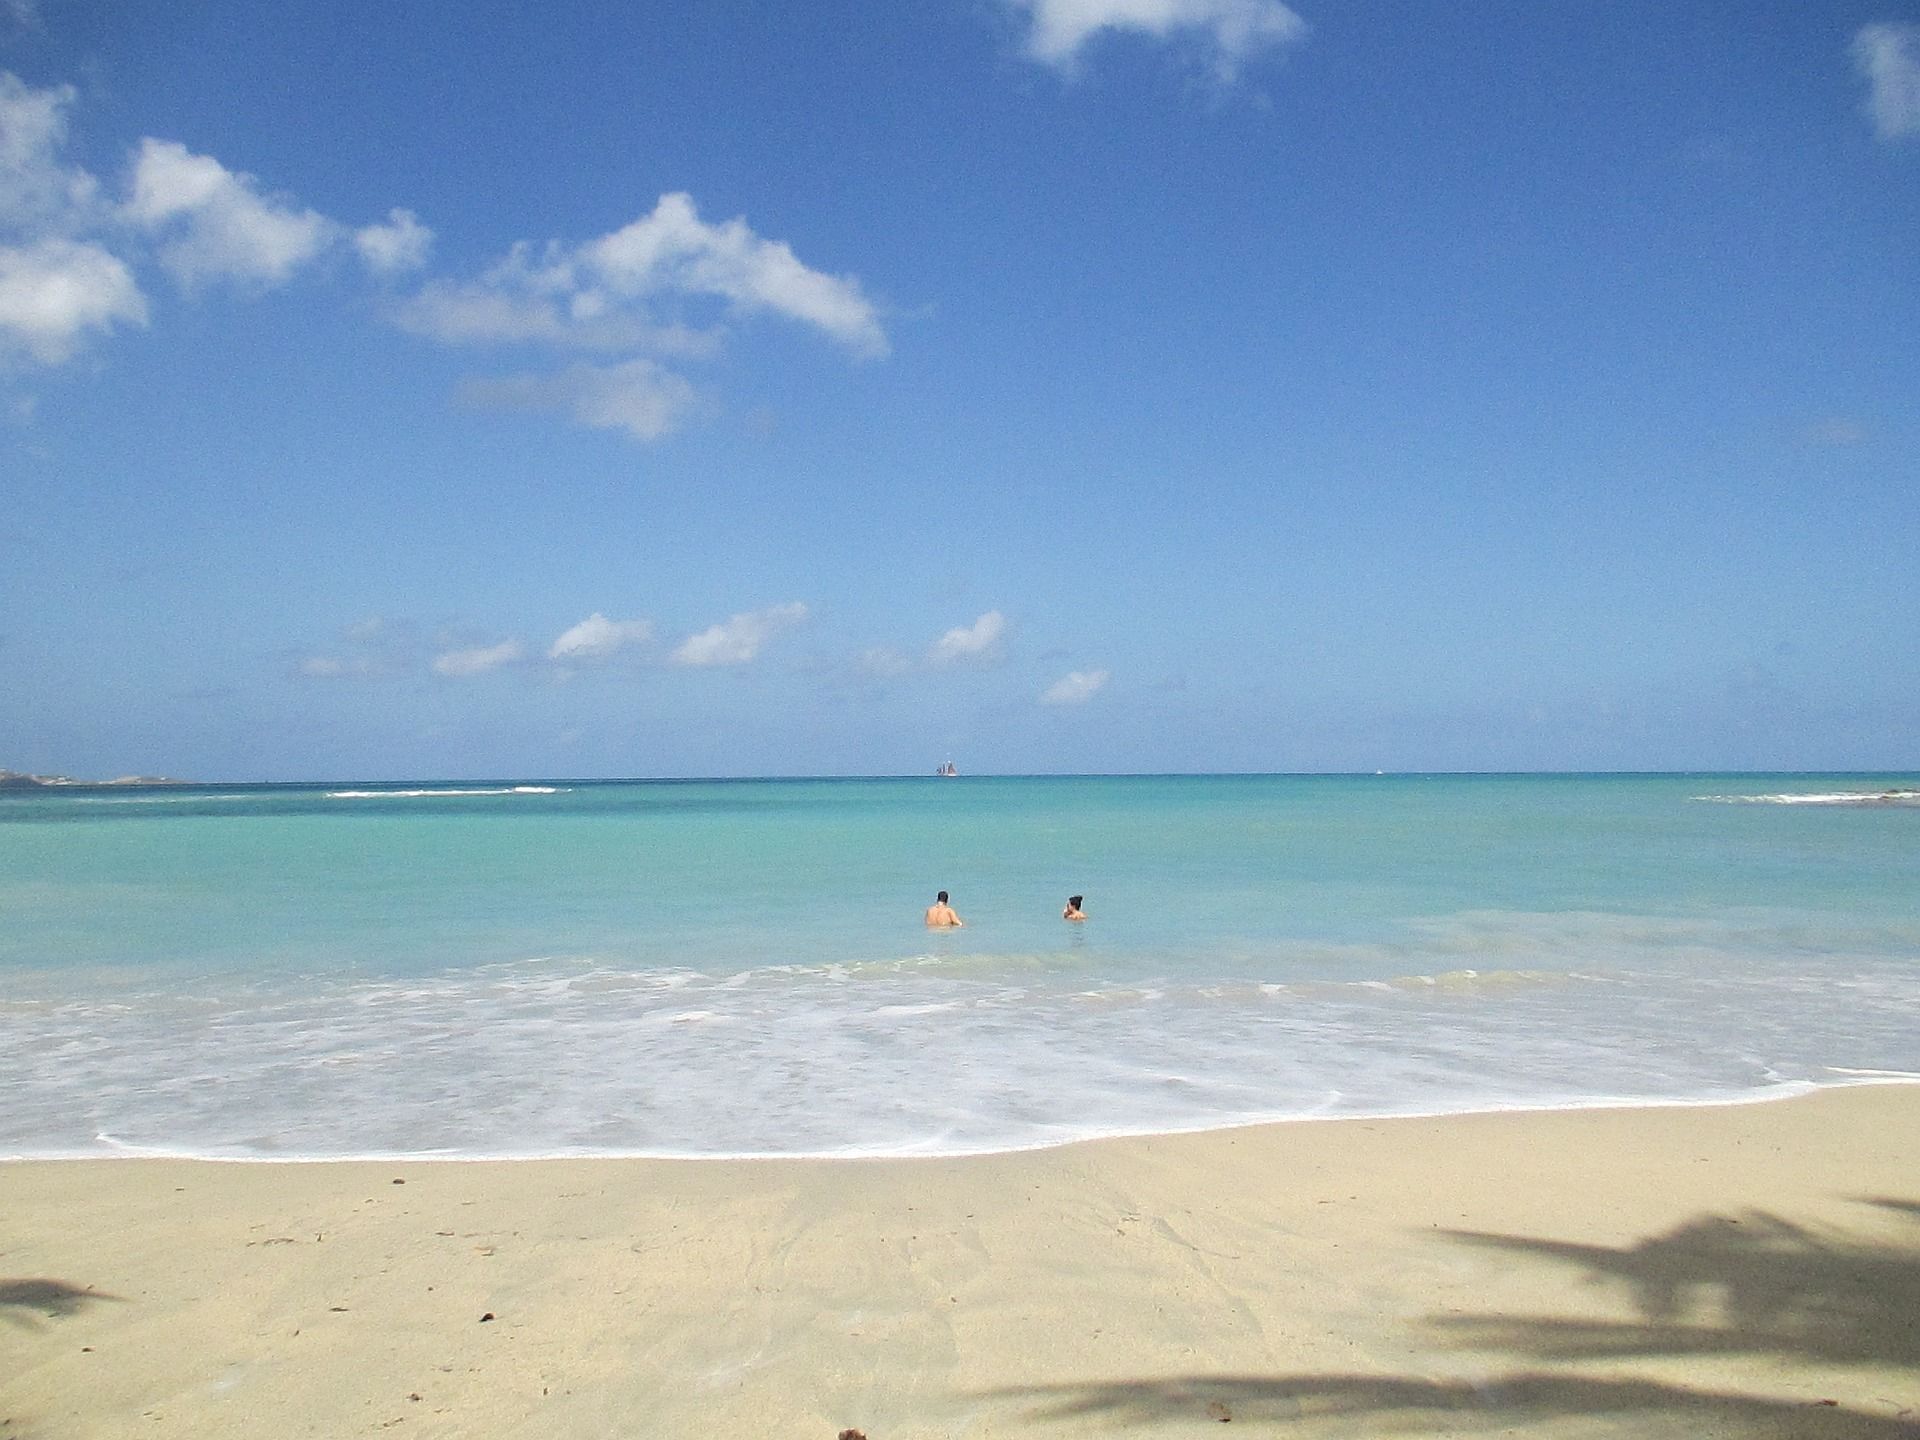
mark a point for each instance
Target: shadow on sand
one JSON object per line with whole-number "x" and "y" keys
{"x": 1725, "y": 1285}
{"x": 34, "y": 1302}
{"x": 1752, "y": 1284}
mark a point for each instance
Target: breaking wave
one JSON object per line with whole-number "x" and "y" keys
{"x": 1830, "y": 797}
{"x": 436, "y": 794}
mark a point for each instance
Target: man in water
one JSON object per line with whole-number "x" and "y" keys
{"x": 940, "y": 915}
{"x": 1072, "y": 912}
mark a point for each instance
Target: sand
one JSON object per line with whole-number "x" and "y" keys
{"x": 1749, "y": 1270}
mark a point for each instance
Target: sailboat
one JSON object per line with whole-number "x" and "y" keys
{"x": 947, "y": 770}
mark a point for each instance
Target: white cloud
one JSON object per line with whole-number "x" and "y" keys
{"x": 618, "y": 295}
{"x": 55, "y": 284}
{"x": 644, "y": 399}
{"x": 54, "y": 291}
{"x": 222, "y": 226}
{"x": 739, "y": 639}
{"x": 673, "y": 251}
{"x": 477, "y": 313}
{"x": 40, "y": 197}
{"x": 479, "y": 660}
{"x": 483, "y": 314}
{"x": 979, "y": 641}
{"x": 1234, "y": 29}
{"x": 881, "y": 661}
{"x": 400, "y": 244}
{"x": 1075, "y": 688}
{"x": 371, "y": 649}
{"x": 603, "y": 294}
{"x": 1888, "y": 55}
{"x": 500, "y": 309}
{"x": 597, "y": 637}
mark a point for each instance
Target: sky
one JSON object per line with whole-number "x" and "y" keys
{"x": 481, "y": 390}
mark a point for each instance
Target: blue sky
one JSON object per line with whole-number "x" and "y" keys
{"x": 442, "y": 390}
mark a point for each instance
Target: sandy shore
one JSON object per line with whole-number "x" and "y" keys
{"x": 1742, "y": 1271}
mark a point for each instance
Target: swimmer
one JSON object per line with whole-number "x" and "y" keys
{"x": 940, "y": 915}
{"x": 1073, "y": 912}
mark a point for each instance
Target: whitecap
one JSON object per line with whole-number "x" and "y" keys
{"x": 442, "y": 793}
{"x": 1824, "y": 797}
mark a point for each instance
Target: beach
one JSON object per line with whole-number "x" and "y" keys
{"x": 1741, "y": 1270}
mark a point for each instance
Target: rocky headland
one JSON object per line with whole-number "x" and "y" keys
{"x": 15, "y": 780}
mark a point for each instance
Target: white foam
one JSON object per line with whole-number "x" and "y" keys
{"x": 439, "y": 794}
{"x": 603, "y": 1054}
{"x": 1826, "y": 797}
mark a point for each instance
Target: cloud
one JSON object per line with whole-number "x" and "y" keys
{"x": 1888, "y": 55}
{"x": 673, "y": 251}
{"x": 1074, "y": 688}
{"x": 606, "y": 293}
{"x": 739, "y": 639}
{"x": 500, "y": 310}
{"x": 597, "y": 638}
{"x": 223, "y": 228}
{"x": 1235, "y": 30}
{"x": 977, "y": 642}
{"x": 882, "y": 662}
{"x": 56, "y": 286}
{"x": 400, "y": 244}
{"x": 40, "y": 197}
{"x": 479, "y": 660}
{"x": 634, "y": 295}
{"x": 622, "y": 294}
{"x": 644, "y": 399}
{"x": 53, "y": 292}
{"x": 70, "y": 254}
{"x": 486, "y": 314}
{"x": 371, "y": 649}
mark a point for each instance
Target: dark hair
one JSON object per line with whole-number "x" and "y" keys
{"x": 1074, "y": 900}
{"x": 941, "y": 897}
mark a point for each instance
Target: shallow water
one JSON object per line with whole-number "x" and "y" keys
{"x": 554, "y": 967}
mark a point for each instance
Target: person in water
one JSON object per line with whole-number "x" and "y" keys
{"x": 940, "y": 915}
{"x": 1073, "y": 911}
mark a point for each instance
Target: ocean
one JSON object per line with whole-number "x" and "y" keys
{"x": 703, "y": 968}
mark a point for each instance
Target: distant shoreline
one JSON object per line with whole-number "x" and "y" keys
{"x": 14, "y": 780}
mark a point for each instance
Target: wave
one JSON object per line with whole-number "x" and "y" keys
{"x": 562, "y": 1054}
{"x": 1832, "y": 797}
{"x": 435, "y": 794}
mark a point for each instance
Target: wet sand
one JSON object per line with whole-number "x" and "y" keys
{"x": 1735, "y": 1271}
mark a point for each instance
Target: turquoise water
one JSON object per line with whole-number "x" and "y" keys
{"x": 565, "y": 967}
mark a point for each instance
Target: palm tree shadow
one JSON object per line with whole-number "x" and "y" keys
{"x": 1374, "y": 1405}
{"x": 1751, "y": 1284}
{"x": 32, "y": 1303}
